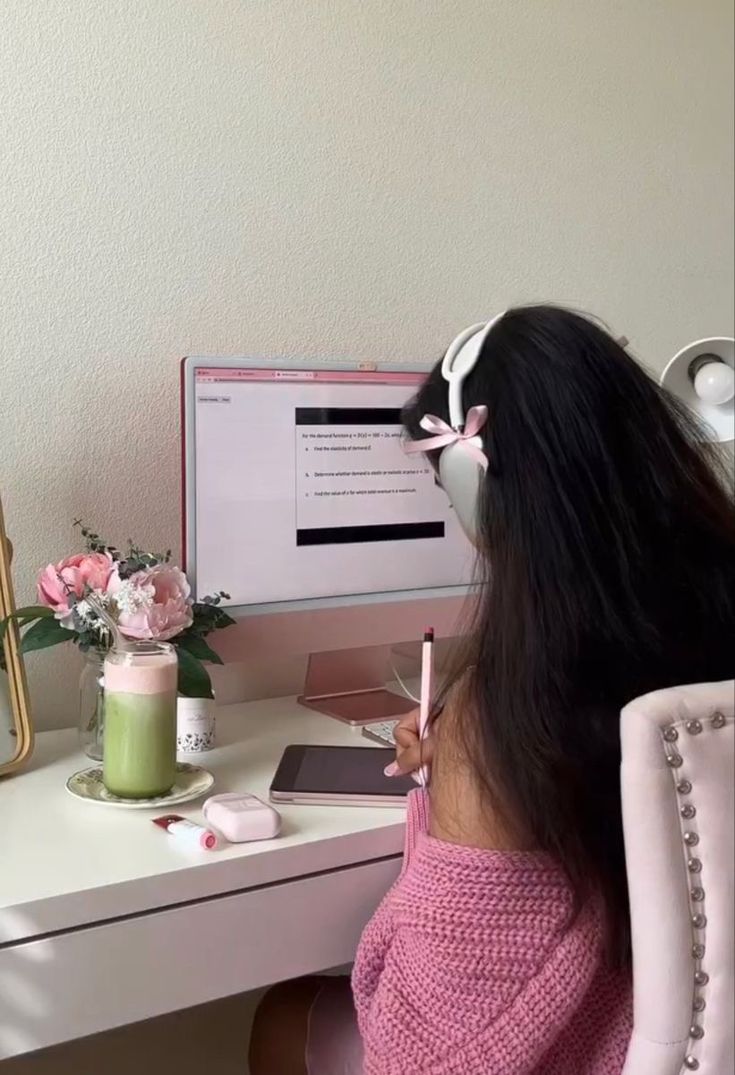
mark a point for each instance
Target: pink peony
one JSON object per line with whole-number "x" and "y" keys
{"x": 73, "y": 576}
{"x": 154, "y": 603}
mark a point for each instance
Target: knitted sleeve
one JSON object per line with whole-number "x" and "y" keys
{"x": 470, "y": 965}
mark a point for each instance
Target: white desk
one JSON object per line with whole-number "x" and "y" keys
{"x": 105, "y": 921}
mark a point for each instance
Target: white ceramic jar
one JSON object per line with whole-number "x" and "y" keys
{"x": 195, "y": 725}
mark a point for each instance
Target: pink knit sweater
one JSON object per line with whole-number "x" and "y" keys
{"x": 469, "y": 968}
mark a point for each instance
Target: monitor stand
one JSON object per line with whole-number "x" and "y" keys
{"x": 349, "y": 685}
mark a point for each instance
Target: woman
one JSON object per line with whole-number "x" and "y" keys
{"x": 606, "y": 543}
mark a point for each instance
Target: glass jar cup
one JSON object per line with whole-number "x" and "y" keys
{"x": 140, "y": 720}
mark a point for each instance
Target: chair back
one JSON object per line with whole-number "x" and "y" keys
{"x": 678, "y": 781}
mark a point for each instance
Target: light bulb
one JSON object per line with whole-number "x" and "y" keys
{"x": 714, "y": 382}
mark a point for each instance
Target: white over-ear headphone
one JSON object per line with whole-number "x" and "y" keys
{"x": 462, "y": 463}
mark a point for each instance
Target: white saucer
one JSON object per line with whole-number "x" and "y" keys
{"x": 191, "y": 782}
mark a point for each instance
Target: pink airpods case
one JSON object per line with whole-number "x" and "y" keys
{"x": 242, "y": 817}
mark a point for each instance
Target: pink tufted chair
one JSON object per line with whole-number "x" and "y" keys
{"x": 678, "y": 779}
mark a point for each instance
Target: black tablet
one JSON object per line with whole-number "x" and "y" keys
{"x": 326, "y": 775}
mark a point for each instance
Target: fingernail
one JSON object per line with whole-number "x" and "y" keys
{"x": 392, "y": 769}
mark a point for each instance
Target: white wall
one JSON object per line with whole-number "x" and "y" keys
{"x": 335, "y": 177}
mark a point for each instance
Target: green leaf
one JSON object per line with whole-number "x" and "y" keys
{"x": 194, "y": 681}
{"x": 209, "y": 617}
{"x": 22, "y": 617}
{"x": 198, "y": 648}
{"x": 45, "y": 633}
{"x": 33, "y": 612}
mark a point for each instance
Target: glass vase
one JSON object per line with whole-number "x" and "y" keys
{"x": 92, "y": 704}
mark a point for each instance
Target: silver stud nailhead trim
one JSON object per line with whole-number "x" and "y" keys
{"x": 691, "y": 838}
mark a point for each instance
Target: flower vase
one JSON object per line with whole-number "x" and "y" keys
{"x": 92, "y": 704}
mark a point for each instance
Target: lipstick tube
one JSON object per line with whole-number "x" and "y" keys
{"x": 187, "y": 833}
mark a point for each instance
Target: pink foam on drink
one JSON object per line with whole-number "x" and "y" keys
{"x": 154, "y": 673}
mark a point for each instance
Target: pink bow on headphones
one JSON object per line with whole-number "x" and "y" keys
{"x": 444, "y": 435}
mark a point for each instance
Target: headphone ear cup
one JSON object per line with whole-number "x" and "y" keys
{"x": 461, "y": 478}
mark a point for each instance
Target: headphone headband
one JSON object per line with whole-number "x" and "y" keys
{"x": 462, "y": 460}
{"x": 460, "y": 360}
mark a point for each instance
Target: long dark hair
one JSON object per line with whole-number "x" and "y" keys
{"x": 607, "y": 542}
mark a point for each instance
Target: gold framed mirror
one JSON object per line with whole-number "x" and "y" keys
{"x": 16, "y": 730}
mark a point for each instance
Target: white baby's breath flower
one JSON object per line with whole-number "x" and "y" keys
{"x": 82, "y": 614}
{"x": 84, "y": 611}
{"x": 132, "y": 597}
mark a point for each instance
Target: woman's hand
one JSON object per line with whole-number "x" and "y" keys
{"x": 451, "y": 783}
{"x": 411, "y": 752}
{"x": 462, "y": 811}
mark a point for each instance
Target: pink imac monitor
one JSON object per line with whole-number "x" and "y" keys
{"x": 300, "y": 503}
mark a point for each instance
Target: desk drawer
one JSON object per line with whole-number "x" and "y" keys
{"x": 72, "y": 984}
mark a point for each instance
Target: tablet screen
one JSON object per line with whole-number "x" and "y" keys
{"x": 339, "y": 771}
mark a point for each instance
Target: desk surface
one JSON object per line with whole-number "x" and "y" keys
{"x": 66, "y": 863}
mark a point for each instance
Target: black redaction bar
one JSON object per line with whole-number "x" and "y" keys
{"x": 348, "y": 416}
{"x": 355, "y": 535}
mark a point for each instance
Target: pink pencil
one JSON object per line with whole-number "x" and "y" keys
{"x": 427, "y": 693}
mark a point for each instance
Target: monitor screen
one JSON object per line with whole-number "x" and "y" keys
{"x": 298, "y": 489}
